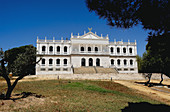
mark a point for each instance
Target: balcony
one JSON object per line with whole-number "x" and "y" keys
{"x": 50, "y": 64}
{"x": 91, "y": 52}
{"x": 53, "y": 53}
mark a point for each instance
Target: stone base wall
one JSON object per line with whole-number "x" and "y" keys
{"x": 101, "y": 76}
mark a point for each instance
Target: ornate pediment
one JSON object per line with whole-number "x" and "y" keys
{"x": 90, "y": 35}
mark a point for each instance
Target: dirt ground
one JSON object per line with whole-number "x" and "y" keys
{"x": 18, "y": 101}
{"x": 160, "y": 93}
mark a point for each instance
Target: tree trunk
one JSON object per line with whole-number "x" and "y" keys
{"x": 5, "y": 76}
{"x": 9, "y": 92}
{"x": 149, "y": 79}
{"x": 161, "y": 79}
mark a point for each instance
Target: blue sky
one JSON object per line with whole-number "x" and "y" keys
{"x": 21, "y": 21}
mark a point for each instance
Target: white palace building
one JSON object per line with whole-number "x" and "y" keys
{"x": 88, "y": 50}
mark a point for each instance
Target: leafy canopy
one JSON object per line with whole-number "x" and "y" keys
{"x": 152, "y": 14}
{"x": 21, "y": 60}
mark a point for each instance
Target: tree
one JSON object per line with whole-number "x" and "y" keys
{"x": 21, "y": 66}
{"x": 158, "y": 50}
{"x": 152, "y": 14}
{"x": 156, "y": 59}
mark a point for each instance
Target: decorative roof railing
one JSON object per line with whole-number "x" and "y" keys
{"x": 122, "y": 43}
{"x": 59, "y": 41}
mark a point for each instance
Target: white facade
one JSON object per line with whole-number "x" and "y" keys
{"x": 61, "y": 56}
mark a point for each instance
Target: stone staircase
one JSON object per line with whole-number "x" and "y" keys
{"x": 93, "y": 70}
{"x": 105, "y": 70}
{"x": 84, "y": 70}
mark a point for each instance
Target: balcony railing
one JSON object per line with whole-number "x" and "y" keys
{"x": 55, "y": 65}
{"x": 90, "y": 52}
{"x": 59, "y": 41}
{"x": 65, "y": 65}
{"x": 53, "y": 53}
{"x": 86, "y": 52}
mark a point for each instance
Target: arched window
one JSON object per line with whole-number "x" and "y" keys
{"x": 43, "y": 62}
{"x": 112, "y": 62}
{"x": 65, "y": 49}
{"x": 130, "y": 50}
{"x": 118, "y": 62}
{"x": 58, "y": 48}
{"x": 111, "y": 49}
{"x": 90, "y": 62}
{"x": 82, "y": 48}
{"x": 125, "y": 62}
{"x": 89, "y": 49}
{"x": 96, "y": 49}
{"x": 43, "y": 48}
{"x": 124, "y": 50}
{"x": 58, "y": 61}
{"x": 65, "y": 61}
{"x": 51, "y": 49}
{"x": 118, "y": 50}
{"x": 83, "y": 62}
{"x": 50, "y": 61}
{"x": 131, "y": 62}
{"x": 97, "y": 62}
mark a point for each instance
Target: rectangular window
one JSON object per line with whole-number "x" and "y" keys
{"x": 132, "y": 69}
{"x": 57, "y": 69}
{"x": 65, "y": 69}
{"x": 50, "y": 69}
{"x": 42, "y": 69}
{"x": 119, "y": 69}
{"x": 125, "y": 69}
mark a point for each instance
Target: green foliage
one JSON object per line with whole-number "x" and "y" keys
{"x": 21, "y": 60}
{"x": 1, "y": 57}
{"x": 156, "y": 59}
{"x": 139, "y": 61}
{"x": 158, "y": 55}
{"x": 152, "y": 14}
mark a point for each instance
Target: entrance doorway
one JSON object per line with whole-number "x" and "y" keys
{"x": 90, "y": 62}
{"x": 83, "y": 62}
{"x": 97, "y": 62}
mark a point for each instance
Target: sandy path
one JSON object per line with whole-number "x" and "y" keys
{"x": 155, "y": 94}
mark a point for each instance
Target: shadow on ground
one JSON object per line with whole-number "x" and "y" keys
{"x": 151, "y": 84}
{"x": 146, "y": 107}
{"x": 21, "y": 96}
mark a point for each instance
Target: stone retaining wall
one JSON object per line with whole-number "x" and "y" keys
{"x": 128, "y": 76}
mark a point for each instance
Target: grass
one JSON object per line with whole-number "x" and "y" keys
{"x": 67, "y": 95}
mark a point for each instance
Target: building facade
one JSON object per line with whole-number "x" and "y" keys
{"x": 62, "y": 56}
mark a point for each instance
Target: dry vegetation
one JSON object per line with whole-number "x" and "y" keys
{"x": 69, "y": 95}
